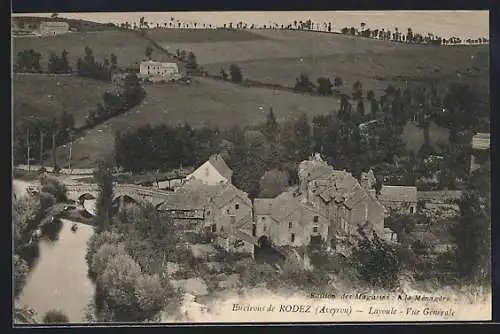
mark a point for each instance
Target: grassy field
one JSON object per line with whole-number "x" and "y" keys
{"x": 204, "y": 102}
{"x": 202, "y": 35}
{"x": 45, "y": 96}
{"x": 128, "y": 46}
{"x": 276, "y": 57}
{"x": 283, "y": 55}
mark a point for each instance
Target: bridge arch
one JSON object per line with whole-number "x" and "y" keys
{"x": 87, "y": 196}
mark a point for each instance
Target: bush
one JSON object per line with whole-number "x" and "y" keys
{"x": 235, "y": 73}
{"x": 55, "y": 317}
{"x": 21, "y": 271}
{"x": 53, "y": 186}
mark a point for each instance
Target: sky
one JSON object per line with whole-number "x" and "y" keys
{"x": 463, "y": 24}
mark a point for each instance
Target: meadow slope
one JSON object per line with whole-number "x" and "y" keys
{"x": 128, "y": 46}
{"x": 204, "y": 102}
{"x": 283, "y": 55}
{"x": 45, "y": 96}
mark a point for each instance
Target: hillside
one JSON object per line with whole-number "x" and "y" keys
{"x": 128, "y": 46}
{"x": 204, "y": 102}
{"x": 33, "y": 22}
{"x": 283, "y": 55}
{"x": 44, "y": 96}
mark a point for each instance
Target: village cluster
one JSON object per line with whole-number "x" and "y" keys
{"x": 327, "y": 207}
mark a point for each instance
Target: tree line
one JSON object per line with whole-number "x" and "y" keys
{"x": 350, "y": 138}
{"x": 410, "y": 37}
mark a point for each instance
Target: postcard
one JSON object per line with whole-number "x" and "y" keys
{"x": 214, "y": 167}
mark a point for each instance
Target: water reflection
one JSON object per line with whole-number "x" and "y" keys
{"x": 59, "y": 279}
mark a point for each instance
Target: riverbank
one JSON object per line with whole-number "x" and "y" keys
{"x": 59, "y": 279}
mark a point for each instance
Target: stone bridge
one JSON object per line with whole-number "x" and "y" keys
{"x": 136, "y": 193}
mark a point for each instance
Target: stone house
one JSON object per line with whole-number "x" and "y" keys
{"x": 399, "y": 199}
{"x": 213, "y": 172}
{"x": 345, "y": 203}
{"x": 159, "y": 71}
{"x": 285, "y": 220}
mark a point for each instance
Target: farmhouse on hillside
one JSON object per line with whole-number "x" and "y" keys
{"x": 480, "y": 151}
{"x": 214, "y": 171}
{"x": 346, "y": 204}
{"x": 400, "y": 199}
{"x": 159, "y": 71}
{"x": 52, "y": 28}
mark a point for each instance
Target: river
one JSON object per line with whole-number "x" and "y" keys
{"x": 59, "y": 279}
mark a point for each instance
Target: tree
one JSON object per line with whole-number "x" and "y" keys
{"x": 376, "y": 261}
{"x": 96, "y": 241}
{"x": 115, "y": 288}
{"x": 273, "y": 183}
{"x": 191, "y": 63}
{"x": 360, "y": 108}
{"x": 357, "y": 90}
{"x": 55, "y": 317}
{"x": 324, "y": 86}
{"x": 103, "y": 255}
{"x": 473, "y": 232}
{"x": 21, "y": 271}
{"x": 104, "y": 206}
{"x": 235, "y": 73}
{"x": 133, "y": 92}
{"x": 337, "y": 82}
{"x": 304, "y": 84}
{"x": 271, "y": 129}
{"x": 223, "y": 74}
{"x": 148, "y": 52}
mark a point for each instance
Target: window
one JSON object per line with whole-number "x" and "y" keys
{"x": 315, "y": 229}
{"x": 208, "y": 213}
{"x": 227, "y": 211}
{"x": 263, "y": 218}
{"x": 236, "y": 206}
{"x": 214, "y": 228}
{"x": 265, "y": 228}
{"x": 315, "y": 219}
{"x": 289, "y": 225}
{"x": 292, "y": 238}
{"x": 411, "y": 209}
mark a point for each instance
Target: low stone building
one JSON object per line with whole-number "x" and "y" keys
{"x": 159, "y": 71}
{"x": 399, "y": 199}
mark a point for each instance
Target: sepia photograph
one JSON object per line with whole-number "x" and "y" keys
{"x": 250, "y": 167}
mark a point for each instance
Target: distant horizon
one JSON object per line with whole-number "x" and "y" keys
{"x": 462, "y": 24}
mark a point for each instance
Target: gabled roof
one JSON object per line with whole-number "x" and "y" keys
{"x": 398, "y": 194}
{"x": 193, "y": 195}
{"x": 220, "y": 165}
{"x": 226, "y": 193}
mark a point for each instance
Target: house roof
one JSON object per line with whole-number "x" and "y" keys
{"x": 193, "y": 195}
{"x": 481, "y": 141}
{"x": 220, "y": 165}
{"x": 196, "y": 195}
{"x": 398, "y": 194}
{"x": 226, "y": 193}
